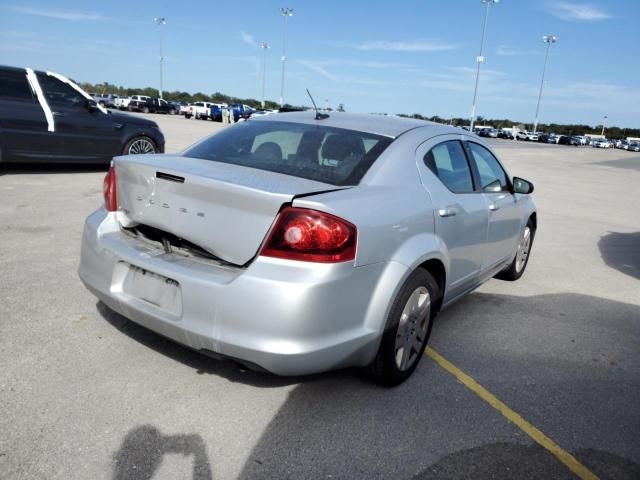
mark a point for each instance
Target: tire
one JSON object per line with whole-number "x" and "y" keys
{"x": 187, "y": 115}
{"x": 407, "y": 331}
{"x": 140, "y": 145}
{"x": 145, "y": 109}
{"x": 101, "y": 103}
{"x": 517, "y": 267}
{"x": 172, "y": 111}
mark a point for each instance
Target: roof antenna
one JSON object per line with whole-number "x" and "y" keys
{"x": 319, "y": 116}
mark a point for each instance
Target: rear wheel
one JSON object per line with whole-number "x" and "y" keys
{"x": 187, "y": 115}
{"x": 408, "y": 329}
{"x": 140, "y": 145}
{"x": 516, "y": 269}
{"x": 145, "y": 109}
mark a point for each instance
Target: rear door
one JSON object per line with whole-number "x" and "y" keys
{"x": 505, "y": 212}
{"x": 461, "y": 217}
{"x": 24, "y": 134}
{"x": 83, "y": 135}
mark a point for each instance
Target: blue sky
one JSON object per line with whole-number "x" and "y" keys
{"x": 372, "y": 56}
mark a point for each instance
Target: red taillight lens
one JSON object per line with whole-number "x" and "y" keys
{"x": 311, "y": 236}
{"x": 109, "y": 190}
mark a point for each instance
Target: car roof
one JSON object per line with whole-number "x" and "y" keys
{"x": 388, "y": 126}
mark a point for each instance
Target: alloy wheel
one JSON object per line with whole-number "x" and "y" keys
{"x": 141, "y": 146}
{"x": 412, "y": 328}
{"x": 523, "y": 250}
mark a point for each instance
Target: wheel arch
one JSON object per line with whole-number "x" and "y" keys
{"x": 534, "y": 219}
{"x": 436, "y": 268}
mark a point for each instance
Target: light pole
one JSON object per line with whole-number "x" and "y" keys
{"x": 480, "y": 59}
{"x": 286, "y": 13}
{"x": 549, "y": 40}
{"x": 265, "y": 46}
{"x": 160, "y": 21}
{"x": 604, "y": 122}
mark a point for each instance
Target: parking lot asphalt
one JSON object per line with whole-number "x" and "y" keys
{"x": 85, "y": 393}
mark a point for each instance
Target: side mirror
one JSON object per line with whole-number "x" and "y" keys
{"x": 92, "y": 106}
{"x": 520, "y": 185}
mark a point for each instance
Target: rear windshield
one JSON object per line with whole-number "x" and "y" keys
{"x": 325, "y": 154}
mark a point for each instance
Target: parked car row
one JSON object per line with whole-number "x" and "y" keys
{"x": 542, "y": 137}
{"x": 217, "y": 112}
{"x": 137, "y": 103}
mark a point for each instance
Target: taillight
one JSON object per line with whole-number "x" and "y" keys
{"x": 109, "y": 190}
{"x": 311, "y": 236}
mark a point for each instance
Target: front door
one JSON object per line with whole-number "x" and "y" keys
{"x": 505, "y": 212}
{"x": 84, "y": 135}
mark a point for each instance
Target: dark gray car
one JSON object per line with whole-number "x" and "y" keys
{"x": 45, "y": 117}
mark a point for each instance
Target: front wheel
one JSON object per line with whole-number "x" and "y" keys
{"x": 140, "y": 145}
{"x": 407, "y": 331}
{"x": 515, "y": 270}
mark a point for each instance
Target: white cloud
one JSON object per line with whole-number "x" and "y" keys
{"x": 17, "y": 34}
{"x": 578, "y": 11}
{"x": 319, "y": 69}
{"x": 415, "y": 46}
{"x": 71, "y": 15}
{"x": 507, "y": 51}
{"x": 247, "y": 38}
{"x": 362, "y": 64}
{"x": 471, "y": 72}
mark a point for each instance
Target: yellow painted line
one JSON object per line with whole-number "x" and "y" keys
{"x": 569, "y": 460}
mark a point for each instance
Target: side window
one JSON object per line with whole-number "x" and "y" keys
{"x": 449, "y": 163}
{"x": 59, "y": 93}
{"x": 492, "y": 176}
{"x": 14, "y": 86}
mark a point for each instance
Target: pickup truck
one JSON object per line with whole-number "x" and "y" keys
{"x": 152, "y": 105}
{"x": 123, "y": 103}
{"x": 201, "y": 110}
{"x": 105, "y": 99}
{"x": 241, "y": 111}
{"x": 216, "y": 111}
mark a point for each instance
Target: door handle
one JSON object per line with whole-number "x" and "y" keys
{"x": 493, "y": 207}
{"x": 447, "y": 212}
{"x": 59, "y": 114}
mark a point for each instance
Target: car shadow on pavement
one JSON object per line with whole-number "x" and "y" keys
{"x": 142, "y": 450}
{"x": 622, "y": 252}
{"x": 199, "y": 361}
{"x": 630, "y": 162}
{"x": 434, "y": 427}
{"x": 508, "y": 461}
{"x": 21, "y": 169}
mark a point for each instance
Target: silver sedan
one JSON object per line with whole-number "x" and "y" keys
{"x": 297, "y": 244}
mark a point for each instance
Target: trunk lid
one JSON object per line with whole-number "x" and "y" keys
{"x": 224, "y": 209}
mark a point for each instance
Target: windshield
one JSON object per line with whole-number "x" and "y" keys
{"x": 325, "y": 154}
